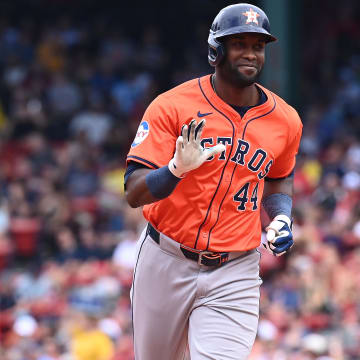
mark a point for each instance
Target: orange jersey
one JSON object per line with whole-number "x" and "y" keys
{"x": 216, "y": 207}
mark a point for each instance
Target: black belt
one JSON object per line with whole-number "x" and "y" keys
{"x": 207, "y": 258}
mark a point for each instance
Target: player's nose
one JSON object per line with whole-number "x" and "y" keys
{"x": 249, "y": 54}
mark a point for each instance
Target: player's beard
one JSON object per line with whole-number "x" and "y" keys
{"x": 235, "y": 77}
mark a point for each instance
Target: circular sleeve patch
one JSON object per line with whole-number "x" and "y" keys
{"x": 142, "y": 133}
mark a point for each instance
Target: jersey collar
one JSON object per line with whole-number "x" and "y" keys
{"x": 255, "y": 111}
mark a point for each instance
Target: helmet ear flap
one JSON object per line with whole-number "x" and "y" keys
{"x": 216, "y": 51}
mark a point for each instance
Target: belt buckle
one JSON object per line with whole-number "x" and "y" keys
{"x": 201, "y": 253}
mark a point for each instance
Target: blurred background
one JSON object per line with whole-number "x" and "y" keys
{"x": 75, "y": 79}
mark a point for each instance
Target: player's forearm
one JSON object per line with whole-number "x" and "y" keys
{"x": 277, "y": 198}
{"x": 149, "y": 186}
{"x": 137, "y": 193}
{"x": 283, "y": 186}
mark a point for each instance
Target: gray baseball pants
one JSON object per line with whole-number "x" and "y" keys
{"x": 180, "y": 307}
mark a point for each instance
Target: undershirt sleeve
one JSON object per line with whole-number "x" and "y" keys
{"x": 131, "y": 167}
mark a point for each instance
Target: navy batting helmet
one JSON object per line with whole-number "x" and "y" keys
{"x": 236, "y": 19}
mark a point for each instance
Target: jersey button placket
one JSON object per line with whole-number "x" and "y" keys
{"x": 215, "y": 208}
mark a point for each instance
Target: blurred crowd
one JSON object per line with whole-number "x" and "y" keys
{"x": 71, "y": 97}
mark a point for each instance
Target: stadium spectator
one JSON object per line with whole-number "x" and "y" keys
{"x": 72, "y": 93}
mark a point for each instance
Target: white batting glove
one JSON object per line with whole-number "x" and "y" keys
{"x": 279, "y": 236}
{"x": 189, "y": 154}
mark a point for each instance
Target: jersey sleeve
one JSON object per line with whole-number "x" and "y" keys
{"x": 154, "y": 142}
{"x": 285, "y": 163}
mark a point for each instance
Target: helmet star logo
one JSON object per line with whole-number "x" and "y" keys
{"x": 251, "y": 16}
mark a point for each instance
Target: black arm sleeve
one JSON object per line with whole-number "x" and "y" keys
{"x": 132, "y": 166}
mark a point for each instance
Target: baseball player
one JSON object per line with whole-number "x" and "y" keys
{"x": 207, "y": 155}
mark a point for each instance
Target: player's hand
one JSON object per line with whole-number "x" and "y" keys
{"x": 189, "y": 154}
{"x": 279, "y": 236}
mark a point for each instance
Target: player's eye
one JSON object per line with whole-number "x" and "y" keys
{"x": 259, "y": 47}
{"x": 237, "y": 44}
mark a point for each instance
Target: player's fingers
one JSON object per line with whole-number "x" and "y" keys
{"x": 191, "y": 131}
{"x": 179, "y": 143}
{"x": 280, "y": 254}
{"x": 270, "y": 235}
{"x": 282, "y": 248}
{"x": 285, "y": 247}
{"x": 267, "y": 247}
{"x": 198, "y": 130}
{"x": 184, "y": 132}
{"x": 219, "y": 148}
{"x": 281, "y": 240}
{"x": 271, "y": 249}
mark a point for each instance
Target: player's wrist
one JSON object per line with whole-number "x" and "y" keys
{"x": 161, "y": 182}
{"x": 277, "y": 204}
{"x": 176, "y": 170}
{"x": 283, "y": 217}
